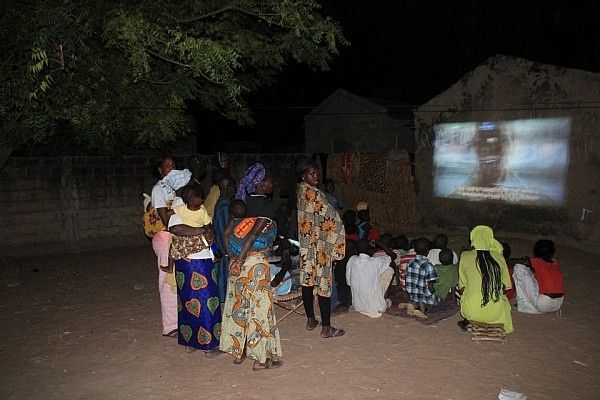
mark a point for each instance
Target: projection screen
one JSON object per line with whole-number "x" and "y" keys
{"x": 521, "y": 161}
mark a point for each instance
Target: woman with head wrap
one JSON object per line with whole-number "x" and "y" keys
{"x": 254, "y": 188}
{"x": 483, "y": 278}
{"x": 322, "y": 240}
{"x": 249, "y": 328}
{"x": 162, "y": 199}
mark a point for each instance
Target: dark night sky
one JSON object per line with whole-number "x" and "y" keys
{"x": 412, "y": 50}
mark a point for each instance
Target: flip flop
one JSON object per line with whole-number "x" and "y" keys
{"x": 419, "y": 314}
{"x": 173, "y": 334}
{"x": 189, "y": 349}
{"x": 312, "y": 328}
{"x": 269, "y": 364}
{"x": 335, "y": 332}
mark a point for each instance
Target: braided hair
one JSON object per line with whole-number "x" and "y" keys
{"x": 255, "y": 174}
{"x": 491, "y": 278}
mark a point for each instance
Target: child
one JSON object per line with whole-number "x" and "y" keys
{"x": 420, "y": 277}
{"x": 369, "y": 278}
{"x": 386, "y": 248}
{"x": 349, "y": 219}
{"x": 440, "y": 242}
{"x": 332, "y": 198}
{"x": 192, "y": 213}
{"x": 402, "y": 245}
{"x": 366, "y": 230}
{"x": 539, "y": 281}
{"x": 447, "y": 272}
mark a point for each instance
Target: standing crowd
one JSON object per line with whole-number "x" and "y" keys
{"x": 214, "y": 276}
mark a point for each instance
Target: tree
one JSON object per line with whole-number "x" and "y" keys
{"x": 108, "y": 75}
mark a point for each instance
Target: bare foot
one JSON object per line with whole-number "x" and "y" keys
{"x": 311, "y": 324}
{"x": 214, "y": 352}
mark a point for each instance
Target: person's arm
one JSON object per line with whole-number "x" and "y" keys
{"x": 432, "y": 277}
{"x": 163, "y": 213}
{"x": 186, "y": 230}
{"x": 236, "y": 264}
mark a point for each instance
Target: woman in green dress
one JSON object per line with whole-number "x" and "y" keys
{"x": 483, "y": 278}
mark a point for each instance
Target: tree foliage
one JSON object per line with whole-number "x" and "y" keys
{"x": 108, "y": 75}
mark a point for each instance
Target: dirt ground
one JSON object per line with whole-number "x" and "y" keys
{"x": 87, "y": 326}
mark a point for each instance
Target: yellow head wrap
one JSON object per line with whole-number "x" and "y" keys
{"x": 482, "y": 238}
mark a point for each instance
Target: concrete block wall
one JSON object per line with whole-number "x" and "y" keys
{"x": 67, "y": 200}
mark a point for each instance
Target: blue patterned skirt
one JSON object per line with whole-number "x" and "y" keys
{"x": 198, "y": 308}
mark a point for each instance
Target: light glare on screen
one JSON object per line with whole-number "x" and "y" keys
{"x": 518, "y": 162}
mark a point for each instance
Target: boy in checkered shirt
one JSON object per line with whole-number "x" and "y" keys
{"x": 420, "y": 277}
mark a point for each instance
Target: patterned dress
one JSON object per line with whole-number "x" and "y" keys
{"x": 199, "y": 311}
{"x": 322, "y": 239}
{"x": 248, "y": 319}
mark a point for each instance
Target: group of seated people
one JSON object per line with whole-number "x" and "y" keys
{"x": 431, "y": 277}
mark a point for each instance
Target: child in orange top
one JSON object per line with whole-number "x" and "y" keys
{"x": 539, "y": 281}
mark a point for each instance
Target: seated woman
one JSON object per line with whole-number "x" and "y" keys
{"x": 483, "y": 277}
{"x": 539, "y": 281}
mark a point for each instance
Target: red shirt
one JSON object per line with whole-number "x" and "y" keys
{"x": 548, "y": 276}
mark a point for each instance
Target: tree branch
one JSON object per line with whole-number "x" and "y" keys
{"x": 169, "y": 60}
{"x": 207, "y": 15}
{"x": 227, "y": 8}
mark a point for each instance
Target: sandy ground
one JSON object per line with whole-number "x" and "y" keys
{"x": 87, "y": 326}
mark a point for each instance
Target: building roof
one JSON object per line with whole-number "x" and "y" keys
{"x": 546, "y": 85}
{"x": 343, "y": 102}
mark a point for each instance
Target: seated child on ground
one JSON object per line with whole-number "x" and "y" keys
{"x": 366, "y": 230}
{"x": 349, "y": 219}
{"x": 447, "y": 272}
{"x": 403, "y": 245}
{"x": 420, "y": 277}
{"x": 440, "y": 242}
{"x": 369, "y": 278}
{"x": 539, "y": 281}
{"x": 385, "y": 245}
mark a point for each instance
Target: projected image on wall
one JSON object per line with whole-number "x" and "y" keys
{"x": 518, "y": 162}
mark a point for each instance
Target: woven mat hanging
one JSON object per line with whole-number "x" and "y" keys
{"x": 384, "y": 181}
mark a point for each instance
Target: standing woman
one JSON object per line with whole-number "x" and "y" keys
{"x": 162, "y": 197}
{"x": 322, "y": 240}
{"x": 483, "y": 278}
{"x": 249, "y": 328}
{"x": 199, "y": 311}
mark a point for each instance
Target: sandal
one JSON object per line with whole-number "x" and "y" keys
{"x": 311, "y": 327}
{"x": 419, "y": 314}
{"x": 189, "y": 349}
{"x": 269, "y": 364}
{"x": 172, "y": 334}
{"x": 334, "y": 332}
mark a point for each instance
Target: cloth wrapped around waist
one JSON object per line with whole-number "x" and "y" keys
{"x": 183, "y": 246}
